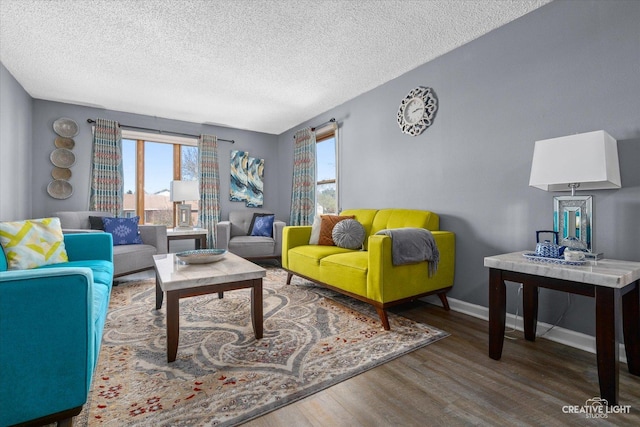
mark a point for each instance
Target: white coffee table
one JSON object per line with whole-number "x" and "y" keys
{"x": 180, "y": 280}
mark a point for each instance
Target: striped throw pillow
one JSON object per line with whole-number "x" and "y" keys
{"x": 32, "y": 243}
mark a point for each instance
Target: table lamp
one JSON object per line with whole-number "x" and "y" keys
{"x": 586, "y": 161}
{"x": 181, "y": 191}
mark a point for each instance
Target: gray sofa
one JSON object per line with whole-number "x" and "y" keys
{"x": 127, "y": 259}
{"x": 232, "y": 235}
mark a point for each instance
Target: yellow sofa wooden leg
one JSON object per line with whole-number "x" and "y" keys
{"x": 383, "y": 318}
{"x": 443, "y": 299}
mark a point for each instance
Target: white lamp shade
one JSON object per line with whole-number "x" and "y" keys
{"x": 589, "y": 159}
{"x": 184, "y": 190}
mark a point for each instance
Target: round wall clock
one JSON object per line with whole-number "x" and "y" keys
{"x": 417, "y": 111}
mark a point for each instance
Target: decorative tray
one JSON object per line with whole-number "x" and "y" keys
{"x": 65, "y": 127}
{"x": 201, "y": 256}
{"x": 62, "y": 158}
{"x": 59, "y": 189}
{"x": 543, "y": 259}
{"x": 61, "y": 173}
{"x": 62, "y": 142}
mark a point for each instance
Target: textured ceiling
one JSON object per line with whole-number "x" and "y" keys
{"x": 256, "y": 64}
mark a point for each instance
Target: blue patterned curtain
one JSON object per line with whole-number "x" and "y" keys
{"x": 209, "y": 212}
{"x": 107, "y": 181}
{"x": 303, "y": 189}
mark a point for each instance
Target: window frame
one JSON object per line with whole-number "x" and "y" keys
{"x": 140, "y": 138}
{"x": 328, "y": 131}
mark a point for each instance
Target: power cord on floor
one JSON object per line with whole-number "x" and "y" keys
{"x": 515, "y": 321}
{"x": 566, "y": 309}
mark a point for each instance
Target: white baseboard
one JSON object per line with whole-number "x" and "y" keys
{"x": 561, "y": 335}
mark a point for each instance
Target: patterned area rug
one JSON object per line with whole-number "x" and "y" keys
{"x": 313, "y": 339}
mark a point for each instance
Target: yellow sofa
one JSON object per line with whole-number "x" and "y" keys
{"x": 369, "y": 274}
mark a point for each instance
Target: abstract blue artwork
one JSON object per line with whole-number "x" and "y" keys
{"x": 255, "y": 177}
{"x": 238, "y": 185}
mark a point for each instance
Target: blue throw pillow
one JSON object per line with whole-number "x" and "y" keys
{"x": 262, "y": 225}
{"x": 124, "y": 230}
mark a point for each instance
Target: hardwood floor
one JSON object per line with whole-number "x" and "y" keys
{"x": 453, "y": 382}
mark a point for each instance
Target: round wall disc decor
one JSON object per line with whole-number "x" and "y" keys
{"x": 63, "y": 158}
{"x": 417, "y": 111}
{"x": 65, "y": 127}
{"x": 67, "y": 143}
{"x": 61, "y": 173}
{"x": 59, "y": 189}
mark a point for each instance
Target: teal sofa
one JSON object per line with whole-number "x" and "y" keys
{"x": 51, "y": 323}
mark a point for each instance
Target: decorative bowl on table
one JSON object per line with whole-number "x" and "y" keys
{"x": 201, "y": 256}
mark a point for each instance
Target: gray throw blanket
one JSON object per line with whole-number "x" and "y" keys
{"x": 411, "y": 245}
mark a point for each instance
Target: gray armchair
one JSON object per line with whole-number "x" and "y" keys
{"x": 232, "y": 235}
{"x": 127, "y": 259}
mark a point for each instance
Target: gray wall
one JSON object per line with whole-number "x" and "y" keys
{"x": 45, "y": 113}
{"x": 568, "y": 67}
{"x": 15, "y": 149}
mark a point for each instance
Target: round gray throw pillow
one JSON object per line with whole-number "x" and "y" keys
{"x": 348, "y": 234}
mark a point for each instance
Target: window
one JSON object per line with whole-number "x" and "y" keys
{"x": 150, "y": 163}
{"x": 129, "y": 172}
{"x": 189, "y": 163}
{"x": 326, "y": 170}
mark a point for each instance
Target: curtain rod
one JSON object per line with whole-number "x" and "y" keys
{"x": 164, "y": 132}
{"x": 331, "y": 120}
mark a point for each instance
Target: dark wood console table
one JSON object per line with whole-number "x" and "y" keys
{"x": 615, "y": 285}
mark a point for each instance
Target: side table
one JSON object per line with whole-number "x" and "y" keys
{"x": 197, "y": 234}
{"x": 614, "y": 284}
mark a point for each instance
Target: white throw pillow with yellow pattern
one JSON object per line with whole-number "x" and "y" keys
{"x": 32, "y": 243}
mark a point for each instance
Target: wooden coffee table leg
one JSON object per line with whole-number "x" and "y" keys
{"x": 256, "y": 307}
{"x": 159, "y": 294}
{"x": 173, "y": 324}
